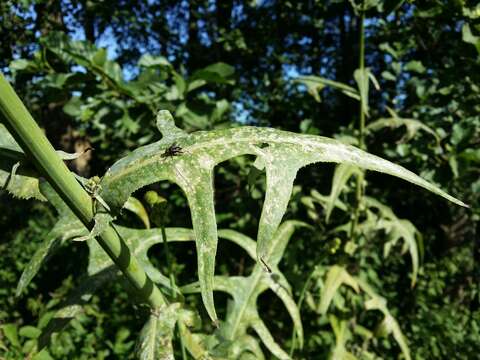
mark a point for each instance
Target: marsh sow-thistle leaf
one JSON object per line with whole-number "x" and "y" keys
{"x": 282, "y": 152}
{"x": 242, "y": 311}
{"x": 338, "y": 276}
{"x": 67, "y": 227}
{"x": 155, "y": 342}
{"x": 14, "y": 178}
{"x": 315, "y": 84}
{"x": 19, "y": 180}
{"x": 412, "y": 126}
{"x": 342, "y": 174}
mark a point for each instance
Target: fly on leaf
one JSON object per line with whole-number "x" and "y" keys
{"x": 173, "y": 150}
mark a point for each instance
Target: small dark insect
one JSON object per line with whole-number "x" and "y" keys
{"x": 173, "y": 150}
{"x": 266, "y": 267}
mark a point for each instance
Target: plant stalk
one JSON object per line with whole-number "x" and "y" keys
{"x": 171, "y": 276}
{"x": 361, "y": 66}
{"x": 41, "y": 153}
{"x": 293, "y": 339}
{"x": 359, "y": 189}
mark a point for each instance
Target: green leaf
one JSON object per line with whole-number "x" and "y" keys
{"x": 139, "y": 241}
{"x": 61, "y": 232}
{"x": 395, "y": 229}
{"x": 29, "y": 331}
{"x": 283, "y": 153}
{"x": 21, "y": 183}
{"x": 217, "y": 73}
{"x": 8, "y": 144}
{"x": 20, "y": 64}
{"x": 87, "y": 55}
{"x": 472, "y": 13}
{"x": 193, "y": 343}
{"x": 79, "y": 52}
{"x": 342, "y": 174}
{"x": 101, "y": 270}
{"x": 192, "y": 117}
{"x": 342, "y": 335}
{"x": 316, "y": 197}
{"x": 71, "y": 156}
{"x": 388, "y": 76}
{"x": 10, "y": 332}
{"x": 195, "y": 84}
{"x": 135, "y": 206}
{"x": 435, "y": 10}
{"x": 402, "y": 229}
{"x": 412, "y": 126}
{"x": 336, "y": 277}
{"x": 180, "y": 84}
{"x": 67, "y": 227}
{"x": 42, "y": 355}
{"x": 387, "y": 48}
{"x": 101, "y": 223}
{"x": 389, "y": 325}
{"x": 100, "y": 57}
{"x": 148, "y": 60}
{"x": 315, "y": 84}
{"x": 363, "y": 78}
{"x": 73, "y": 304}
{"x": 415, "y": 66}
{"x": 221, "y": 107}
{"x": 155, "y": 340}
{"x": 267, "y": 338}
{"x": 470, "y": 155}
{"x": 113, "y": 71}
{"x": 73, "y": 106}
{"x": 243, "y": 313}
{"x": 469, "y": 38}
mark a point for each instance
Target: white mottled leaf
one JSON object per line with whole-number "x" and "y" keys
{"x": 336, "y": 277}
{"x": 342, "y": 335}
{"x": 395, "y": 229}
{"x": 18, "y": 181}
{"x": 282, "y": 152}
{"x": 267, "y": 338}
{"x": 155, "y": 341}
{"x": 342, "y": 174}
{"x": 245, "y": 291}
{"x": 67, "y": 227}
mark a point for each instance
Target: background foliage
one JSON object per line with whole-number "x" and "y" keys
{"x": 95, "y": 73}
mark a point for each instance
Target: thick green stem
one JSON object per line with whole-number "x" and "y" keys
{"x": 359, "y": 190}
{"x": 361, "y": 66}
{"x": 42, "y": 154}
